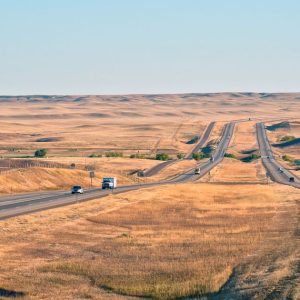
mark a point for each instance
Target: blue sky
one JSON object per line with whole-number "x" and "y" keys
{"x": 148, "y": 46}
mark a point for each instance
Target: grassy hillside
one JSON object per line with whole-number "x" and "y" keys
{"x": 164, "y": 242}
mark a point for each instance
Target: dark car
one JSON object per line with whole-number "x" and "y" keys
{"x": 291, "y": 179}
{"x": 77, "y": 189}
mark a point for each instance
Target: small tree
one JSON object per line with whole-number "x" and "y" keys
{"x": 180, "y": 156}
{"x": 162, "y": 156}
{"x": 40, "y": 153}
{"x": 229, "y": 155}
{"x": 287, "y": 158}
{"x": 199, "y": 155}
{"x": 114, "y": 154}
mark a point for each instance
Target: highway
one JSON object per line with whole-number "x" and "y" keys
{"x": 201, "y": 143}
{"x": 275, "y": 170}
{"x": 15, "y": 205}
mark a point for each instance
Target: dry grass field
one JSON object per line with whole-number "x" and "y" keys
{"x": 38, "y": 179}
{"x": 232, "y": 235}
{"x": 82, "y": 125}
{"x": 164, "y": 242}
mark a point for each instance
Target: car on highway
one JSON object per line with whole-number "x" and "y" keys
{"x": 77, "y": 189}
{"x": 280, "y": 170}
{"x": 197, "y": 171}
{"x": 292, "y": 179}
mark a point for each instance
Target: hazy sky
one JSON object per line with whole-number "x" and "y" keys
{"x": 148, "y": 46}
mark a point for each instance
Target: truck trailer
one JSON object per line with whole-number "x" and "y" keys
{"x": 109, "y": 183}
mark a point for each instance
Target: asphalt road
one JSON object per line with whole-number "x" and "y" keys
{"x": 201, "y": 143}
{"x": 21, "y": 204}
{"x": 269, "y": 161}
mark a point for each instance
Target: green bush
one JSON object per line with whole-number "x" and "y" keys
{"x": 229, "y": 155}
{"x": 287, "y": 158}
{"x": 95, "y": 155}
{"x": 40, "y": 153}
{"x": 255, "y": 156}
{"x": 114, "y": 154}
{"x": 250, "y": 158}
{"x": 199, "y": 155}
{"x": 162, "y": 156}
{"x": 180, "y": 156}
{"x": 287, "y": 138}
{"x": 138, "y": 155}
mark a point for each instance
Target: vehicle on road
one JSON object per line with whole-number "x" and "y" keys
{"x": 212, "y": 159}
{"x": 280, "y": 170}
{"x": 109, "y": 183}
{"x": 197, "y": 171}
{"x": 292, "y": 179}
{"x": 77, "y": 189}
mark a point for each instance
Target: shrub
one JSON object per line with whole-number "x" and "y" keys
{"x": 287, "y": 158}
{"x": 95, "y": 155}
{"x": 138, "y": 155}
{"x": 180, "y": 156}
{"x": 72, "y": 165}
{"x": 114, "y": 154}
{"x": 250, "y": 158}
{"x": 199, "y": 155}
{"x": 40, "y": 153}
{"x": 162, "y": 156}
{"x": 229, "y": 155}
{"x": 287, "y": 138}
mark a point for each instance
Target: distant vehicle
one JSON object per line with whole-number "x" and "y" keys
{"x": 291, "y": 179}
{"x": 109, "y": 183}
{"x": 197, "y": 171}
{"x": 77, "y": 189}
{"x": 212, "y": 159}
{"x": 141, "y": 173}
{"x": 280, "y": 170}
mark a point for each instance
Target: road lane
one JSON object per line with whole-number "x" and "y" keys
{"x": 201, "y": 143}
{"x": 269, "y": 161}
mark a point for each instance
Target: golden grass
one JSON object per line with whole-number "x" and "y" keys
{"x": 37, "y": 179}
{"x": 114, "y": 164}
{"x": 164, "y": 242}
{"x": 174, "y": 169}
{"x": 244, "y": 138}
{"x": 233, "y": 170}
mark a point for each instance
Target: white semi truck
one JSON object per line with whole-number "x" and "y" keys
{"x": 109, "y": 183}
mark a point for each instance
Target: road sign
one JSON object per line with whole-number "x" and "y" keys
{"x": 92, "y": 175}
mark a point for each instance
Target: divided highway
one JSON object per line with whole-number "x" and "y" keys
{"x": 203, "y": 140}
{"x": 31, "y": 202}
{"x": 275, "y": 170}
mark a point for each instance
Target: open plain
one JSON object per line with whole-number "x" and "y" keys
{"x": 232, "y": 233}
